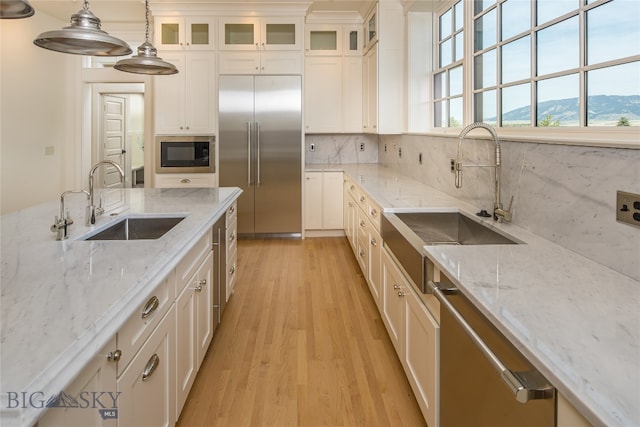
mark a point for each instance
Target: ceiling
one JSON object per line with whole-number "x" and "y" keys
{"x": 133, "y": 10}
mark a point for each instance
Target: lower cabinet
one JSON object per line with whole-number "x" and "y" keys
{"x": 415, "y": 335}
{"x": 323, "y": 201}
{"x": 147, "y": 387}
{"x": 194, "y": 326}
{"x": 98, "y": 376}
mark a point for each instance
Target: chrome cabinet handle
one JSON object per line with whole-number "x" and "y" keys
{"x": 232, "y": 209}
{"x": 258, "y": 152}
{"x": 150, "y": 368}
{"x": 114, "y": 356}
{"x": 524, "y": 386}
{"x": 185, "y": 181}
{"x": 232, "y": 237}
{"x": 203, "y": 282}
{"x": 150, "y": 307}
{"x": 232, "y": 270}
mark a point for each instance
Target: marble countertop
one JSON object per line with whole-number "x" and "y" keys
{"x": 577, "y": 321}
{"x": 63, "y": 300}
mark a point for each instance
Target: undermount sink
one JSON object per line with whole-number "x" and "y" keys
{"x": 137, "y": 228}
{"x": 406, "y": 233}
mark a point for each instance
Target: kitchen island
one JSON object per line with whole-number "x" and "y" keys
{"x": 577, "y": 321}
{"x": 62, "y": 301}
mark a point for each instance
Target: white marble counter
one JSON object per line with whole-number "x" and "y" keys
{"x": 63, "y": 300}
{"x": 576, "y": 320}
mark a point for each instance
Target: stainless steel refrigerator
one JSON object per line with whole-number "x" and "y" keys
{"x": 260, "y": 150}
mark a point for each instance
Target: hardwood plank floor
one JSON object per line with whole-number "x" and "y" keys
{"x": 301, "y": 344}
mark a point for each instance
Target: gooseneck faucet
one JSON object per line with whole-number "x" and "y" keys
{"x": 499, "y": 214}
{"x": 92, "y": 211}
{"x": 63, "y": 221}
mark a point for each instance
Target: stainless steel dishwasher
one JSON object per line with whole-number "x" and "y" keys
{"x": 484, "y": 379}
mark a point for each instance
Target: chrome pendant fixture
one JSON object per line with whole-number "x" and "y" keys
{"x": 15, "y": 9}
{"x": 83, "y": 37}
{"x": 147, "y": 60}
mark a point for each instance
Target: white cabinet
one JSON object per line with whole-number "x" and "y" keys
{"x": 261, "y": 62}
{"x": 184, "y": 33}
{"x": 568, "y": 415}
{"x": 147, "y": 386}
{"x": 415, "y": 335}
{"x": 265, "y": 33}
{"x": 383, "y": 69}
{"x": 370, "y": 91}
{"x": 350, "y": 214}
{"x": 323, "y": 201}
{"x": 185, "y": 103}
{"x": 333, "y": 79}
{"x": 99, "y": 376}
{"x": 194, "y": 325}
{"x": 231, "y": 225}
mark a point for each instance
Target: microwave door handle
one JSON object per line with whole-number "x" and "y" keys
{"x": 258, "y": 150}
{"x": 249, "y": 124}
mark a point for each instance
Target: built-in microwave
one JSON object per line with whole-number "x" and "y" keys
{"x": 185, "y": 154}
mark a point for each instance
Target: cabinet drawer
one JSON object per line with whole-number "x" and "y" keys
{"x": 232, "y": 237}
{"x": 232, "y": 273}
{"x": 185, "y": 181}
{"x": 375, "y": 212}
{"x": 140, "y": 325}
{"x": 191, "y": 262}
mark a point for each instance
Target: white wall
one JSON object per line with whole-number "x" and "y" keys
{"x": 37, "y": 111}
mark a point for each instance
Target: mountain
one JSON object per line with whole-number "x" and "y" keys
{"x": 62, "y": 400}
{"x": 601, "y": 108}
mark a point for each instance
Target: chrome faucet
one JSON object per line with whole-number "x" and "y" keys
{"x": 92, "y": 211}
{"x": 499, "y": 214}
{"x": 63, "y": 221}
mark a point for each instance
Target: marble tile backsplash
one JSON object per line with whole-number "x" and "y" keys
{"x": 341, "y": 148}
{"x": 563, "y": 193}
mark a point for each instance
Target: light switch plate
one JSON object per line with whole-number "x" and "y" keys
{"x": 628, "y": 208}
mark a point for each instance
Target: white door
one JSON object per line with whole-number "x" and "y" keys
{"x": 113, "y": 140}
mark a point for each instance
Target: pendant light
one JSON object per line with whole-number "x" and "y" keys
{"x": 83, "y": 37}
{"x": 147, "y": 60}
{"x": 15, "y": 9}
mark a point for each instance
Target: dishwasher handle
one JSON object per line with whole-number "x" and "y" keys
{"x": 525, "y": 386}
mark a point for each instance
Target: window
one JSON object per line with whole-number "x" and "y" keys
{"x": 448, "y": 78}
{"x": 542, "y": 63}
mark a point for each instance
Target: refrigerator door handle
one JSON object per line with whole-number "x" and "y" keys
{"x": 249, "y": 124}
{"x": 258, "y": 150}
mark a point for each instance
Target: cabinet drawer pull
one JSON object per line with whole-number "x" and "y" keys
{"x": 362, "y": 198}
{"x": 232, "y": 209}
{"x": 401, "y": 294}
{"x": 396, "y": 286}
{"x": 353, "y": 187}
{"x": 362, "y": 224}
{"x": 232, "y": 237}
{"x": 362, "y": 254}
{"x": 185, "y": 181}
{"x": 374, "y": 243}
{"x": 114, "y": 356}
{"x": 150, "y": 307}
{"x": 203, "y": 282}
{"x": 152, "y": 364}
{"x": 232, "y": 270}
{"x": 374, "y": 213}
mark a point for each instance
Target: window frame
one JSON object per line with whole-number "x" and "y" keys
{"x": 606, "y": 136}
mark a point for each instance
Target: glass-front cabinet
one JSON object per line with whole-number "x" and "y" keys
{"x": 371, "y": 28}
{"x": 180, "y": 33}
{"x": 333, "y": 39}
{"x": 248, "y": 33}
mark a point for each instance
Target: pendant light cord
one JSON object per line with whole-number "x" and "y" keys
{"x": 146, "y": 29}
{"x": 85, "y": 6}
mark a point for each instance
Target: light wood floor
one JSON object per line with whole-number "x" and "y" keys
{"x": 301, "y": 344}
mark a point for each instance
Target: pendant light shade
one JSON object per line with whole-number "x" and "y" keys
{"x": 15, "y": 9}
{"x": 147, "y": 60}
{"x": 83, "y": 37}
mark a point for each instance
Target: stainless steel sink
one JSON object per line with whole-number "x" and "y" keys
{"x": 406, "y": 233}
{"x": 137, "y": 228}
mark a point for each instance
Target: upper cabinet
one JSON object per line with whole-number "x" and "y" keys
{"x": 371, "y": 28}
{"x": 267, "y": 33}
{"x": 333, "y": 39}
{"x": 184, "y": 33}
